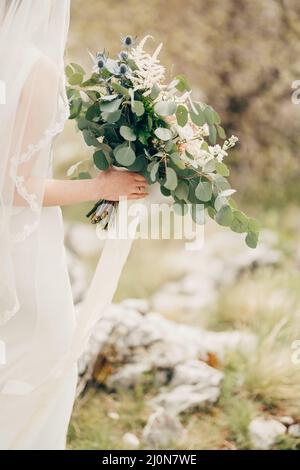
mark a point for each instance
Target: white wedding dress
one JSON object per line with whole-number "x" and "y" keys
{"x": 42, "y": 336}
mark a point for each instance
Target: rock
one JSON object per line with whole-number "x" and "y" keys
{"x": 186, "y": 397}
{"x": 127, "y": 376}
{"x": 141, "y": 305}
{"x": 287, "y": 420}
{"x": 294, "y": 430}
{"x": 162, "y": 429}
{"x": 196, "y": 372}
{"x": 264, "y": 432}
{"x": 151, "y": 342}
{"x": 131, "y": 440}
{"x": 113, "y": 415}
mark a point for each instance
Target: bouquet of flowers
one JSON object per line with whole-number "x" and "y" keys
{"x": 134, "y": 120}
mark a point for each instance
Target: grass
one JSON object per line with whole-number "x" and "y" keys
{"x": 266, "y": 383}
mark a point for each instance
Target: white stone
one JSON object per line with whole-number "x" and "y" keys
{"x": 113, "y": 415}
{"x": 141, "y": 305}
{"x": 196, "y": 372}
{"x": 294, "y": 430}
{"x": 264, "y": 432}
{"x": 127, "y": 376}
{"x": 131, "y": 440}
{"x": 162, "y": 429}
{"x": 185, "y": 397}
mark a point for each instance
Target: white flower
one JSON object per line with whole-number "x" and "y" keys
{"x": 218, "y": 152}
{"x": 230, "y": 142}
{"x": 149, "y": 70}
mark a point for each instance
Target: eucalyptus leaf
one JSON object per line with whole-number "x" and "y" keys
{"x": 163, "y": 134}
{"x": 180, "y": 209}
{"x": 101, "y": 160}
{"x": 110, "y": 106}
{"x": 113, "y": 117}
{"x": 124, "y": 155}
{"x": 203, "y": 191}
{"x": 224, "y": 216}
{"x": 198, "y": 213}
{"x": 181, "y": 115}
{"x": 221, "y": 132}
{"x": 222, "y": 169}
{"x": 212, "y": 135}
{"x": 76, "y": 79}
{"x": 182, "y": 191}
{"x": 239, "y": 223}
{"x": 209, "y": 115}
{"x": 171, "y": 179}
{"x": 138, "y": 108}
{"x": 153, "y": 171}
{"x": 127, "y": 133}
{"x": 155, "y": 91}
{"x": 252, "y": 239}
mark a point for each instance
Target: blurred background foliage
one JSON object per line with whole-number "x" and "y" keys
{"x": 241, "y": 56}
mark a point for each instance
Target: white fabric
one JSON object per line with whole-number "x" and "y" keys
{"x": 38, "y": 325}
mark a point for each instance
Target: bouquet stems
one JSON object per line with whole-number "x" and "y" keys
{"x": 102, "y": 213}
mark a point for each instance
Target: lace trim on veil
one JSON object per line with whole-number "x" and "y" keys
{"x": 30, "y": 198}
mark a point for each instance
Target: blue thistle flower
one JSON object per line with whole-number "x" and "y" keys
{"x": 123, "y": 55}
{"x": 123, "y": 69}
{"x": 127, "y": 41}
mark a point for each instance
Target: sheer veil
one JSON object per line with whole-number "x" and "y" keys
{"x": 32, "y": 42}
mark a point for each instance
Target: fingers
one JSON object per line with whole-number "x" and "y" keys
{"x": 137, "y": 196}
{"x": 139, "y": 178}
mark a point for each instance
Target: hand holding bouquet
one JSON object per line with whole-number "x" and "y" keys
{"x": 134, "y": 120}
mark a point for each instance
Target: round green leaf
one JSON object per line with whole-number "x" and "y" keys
{"x": 110, "y": 106}
{"x": 198, "y": 213}
{"x": 163, "y": 134}
{"x": 138, "y": 108}
{"x": 197, "y": 117}
{"x": 182, "y": 190}
{"x": 153, "y": 171}
{"x": 252, "y": 239}
{"x": 124, "y": 155}
{"x": 165, "y": 108}
{"x": 222, "y": 169}
{"x": 181, "y": 115}
{"x": 253, "y": 225}
{"x": 100, "y": 160}
{"x": 76, "y": 79}
{"x": 221, "y": 132}
{"x": 239, "y": 222}
{"x": 212, "y": 135}
{"x": 127, "y": 133}
{"x": 209, "y": 115}
{"x": 171, "y": 179}
{"x": 204, "y": 191}
{"x": 224, "y": 216}
{"x": 113, "y": 117}
{"x": 180, "y": 209}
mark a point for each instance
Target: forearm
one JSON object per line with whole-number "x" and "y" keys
{"x": 67, "y": 192}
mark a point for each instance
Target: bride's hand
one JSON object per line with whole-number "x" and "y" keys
{"x": 112, "y": 183}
